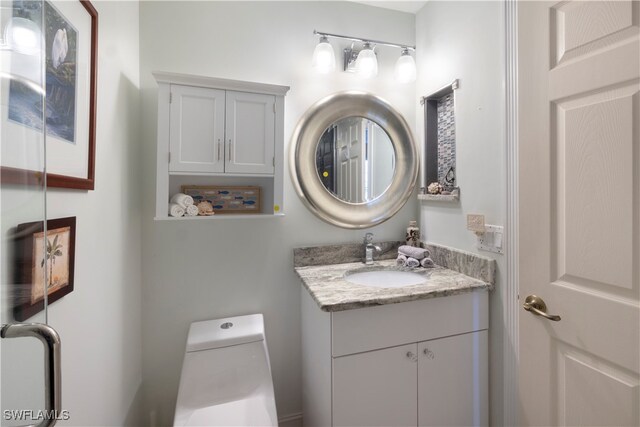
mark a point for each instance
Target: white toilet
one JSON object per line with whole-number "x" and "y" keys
{"x": 226, "y": 375}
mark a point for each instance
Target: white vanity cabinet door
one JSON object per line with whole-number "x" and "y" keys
{"x": 250, "y": 133}
{"x": 453, "y": 381}
{"x": 196, "y": 129}
{"x": 377, "y": 388}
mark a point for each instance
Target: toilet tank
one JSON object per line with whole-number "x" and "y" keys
{"x": 218, "y": 333}
{"x": 226, "y": 375}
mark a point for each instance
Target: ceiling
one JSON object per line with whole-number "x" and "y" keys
{"x": 403, "y": 6}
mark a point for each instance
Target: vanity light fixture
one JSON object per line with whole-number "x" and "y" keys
{"x": 367, "y": 63}
{"x": 324, "y": 59}
{"x": 405, "y": 71}
{"x": 364, "y": 62}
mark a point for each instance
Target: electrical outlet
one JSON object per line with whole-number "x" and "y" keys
{"x": 475, "y": 223}
{"x": 492, "y": 239}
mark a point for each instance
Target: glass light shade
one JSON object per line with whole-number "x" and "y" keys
{"x": 405, "y": 71}
{"x": 367, "y": 63}
{"x": 324, "y": 59}
{"x": 23, "y": 36}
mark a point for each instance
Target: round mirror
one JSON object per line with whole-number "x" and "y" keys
{"x": 355, "y": 159}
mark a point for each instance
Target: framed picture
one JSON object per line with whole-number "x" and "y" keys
{"x": 43, "y": 263}
{"x": 68, "y": 31}
{"x": 226, "y": 199}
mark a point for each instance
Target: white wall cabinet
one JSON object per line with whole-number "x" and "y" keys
{"x": 215, "y": 131}
{"x": 218, "y": 131}
{"x": 419, "y": 363}
{"x": 196, "y": 129}
{"x": 250, "y": 132}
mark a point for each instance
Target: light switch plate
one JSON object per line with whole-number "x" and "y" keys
{"x": 492, "y": 239}
{"x": 475, "y": 223}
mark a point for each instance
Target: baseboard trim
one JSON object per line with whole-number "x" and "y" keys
{"x": 291, "y": 420}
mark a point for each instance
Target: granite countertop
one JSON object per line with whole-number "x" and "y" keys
{"x": 323, "y": 276}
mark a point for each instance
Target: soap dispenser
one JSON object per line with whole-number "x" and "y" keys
{"x": 413, "y": 234}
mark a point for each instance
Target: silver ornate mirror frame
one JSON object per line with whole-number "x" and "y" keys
{"x": 302, "y": 157}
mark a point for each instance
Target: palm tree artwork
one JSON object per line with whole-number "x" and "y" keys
{"x": 54, "y": 250}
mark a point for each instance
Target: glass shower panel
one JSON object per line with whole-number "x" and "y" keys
{"x": 23, "y": 267}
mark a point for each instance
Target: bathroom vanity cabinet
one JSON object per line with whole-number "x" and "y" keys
{"x": 416, "y": 363}
{"x": 224, "y": 132}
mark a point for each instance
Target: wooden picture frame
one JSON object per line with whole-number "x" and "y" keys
{"x": 30, "y": 263}
{"x": 239, "y": 202}
{"x": 75, "y": 139}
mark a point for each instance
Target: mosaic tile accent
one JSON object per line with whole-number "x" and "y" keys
{"x": 446, "y": 137}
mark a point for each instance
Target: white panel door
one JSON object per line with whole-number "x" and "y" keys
{"x": 453, "y": 382}
{"x": 381, "y": 164}
{"x": 377, "y": 388}
{"x": 197, "y": 129}
{"x": 250, "y": 133}
{"x": 579, "y": 212}
{"x": 350, "y": 159}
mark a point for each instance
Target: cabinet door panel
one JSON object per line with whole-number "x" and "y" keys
{"x": 377, "y": 388}
{"x": 250, "y": 133}
{"x": 196, "y": 129}
{"x": 453, "y": 381}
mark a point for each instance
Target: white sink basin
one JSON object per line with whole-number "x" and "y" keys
{"x": 384, "y": 278}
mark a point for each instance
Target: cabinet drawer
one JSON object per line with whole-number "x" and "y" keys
{"x": 371, "y": 328}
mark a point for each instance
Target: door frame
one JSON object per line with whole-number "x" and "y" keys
{"x": 511, "y": 304}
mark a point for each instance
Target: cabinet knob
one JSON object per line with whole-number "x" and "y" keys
{"x": 429, "y": 353}
{"x": 411, "y": 356}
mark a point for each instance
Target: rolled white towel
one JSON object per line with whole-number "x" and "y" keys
{"x": 182, "y": 199}
{"x": 413, "y": 252}
{"x": 191, "y": 210}
{"x": 176, "y": 210}
{"x": 401, "y": 260}
{"x": 412, "y": 263}
{"x": 427, "y": 263}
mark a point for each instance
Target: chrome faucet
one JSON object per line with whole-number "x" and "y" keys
{"x": 369, "y": 248}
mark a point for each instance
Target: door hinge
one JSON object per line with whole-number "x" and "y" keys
{"x": 169, "y": 156}
{"x": 170, "y": 97}
{"x": 274, "y": 162}
{"x": 274, "y": 108}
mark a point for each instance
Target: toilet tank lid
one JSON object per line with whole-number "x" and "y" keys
{"x": 225, "y": 332}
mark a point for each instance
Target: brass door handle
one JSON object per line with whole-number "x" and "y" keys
{"x": 536, "y": 305}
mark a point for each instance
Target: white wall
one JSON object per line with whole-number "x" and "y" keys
{"x": 464, "y": 40}
{"x": 99, "y": 322}
{"x": 195, "y": 270}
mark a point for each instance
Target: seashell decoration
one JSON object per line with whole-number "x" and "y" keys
{"x": 435, "y": 188}
{"x": 205, "y": 208}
